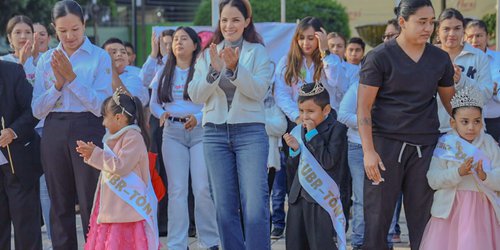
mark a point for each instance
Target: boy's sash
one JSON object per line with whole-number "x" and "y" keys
{"x": 321, "y": 187}
{"x": 453, "y": 148}
{"x": 137, "y": 194}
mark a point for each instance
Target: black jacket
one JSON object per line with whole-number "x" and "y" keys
{"x": 15, "y": 108}
{"x": 329, "y": 147}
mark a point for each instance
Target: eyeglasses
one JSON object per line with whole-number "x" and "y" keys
{"x": 389, "y": 36}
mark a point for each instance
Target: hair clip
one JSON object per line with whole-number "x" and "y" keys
{"x": 318, "y": 88}
{"x": 467, "y": 97}
{"x": 116, "y": 98}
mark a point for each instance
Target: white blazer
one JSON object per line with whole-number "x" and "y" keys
{"x": 253, "y": 78}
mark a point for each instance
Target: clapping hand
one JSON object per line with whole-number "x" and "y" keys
{"x": 85, "y": 149}
{"x": 26, "y": 51}
{"x": 215, "y": 58}
{"x": 466, "y": 167}
{"x": 155, "y": 45}
{"x": 479, "y": 170}
{"x": 64, "y": 66}
{"x": 231, "y": 57}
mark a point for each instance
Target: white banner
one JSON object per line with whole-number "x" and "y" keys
{"x": 277, "y": 36}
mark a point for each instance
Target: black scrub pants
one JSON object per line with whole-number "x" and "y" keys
{"x": 66, "y": 173}
{"x": 405, "y": 173}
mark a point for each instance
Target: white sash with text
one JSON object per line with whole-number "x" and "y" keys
{"x": 137, "y": 194}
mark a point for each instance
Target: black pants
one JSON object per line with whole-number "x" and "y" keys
{"x": 20, "y": 205}
{"x": 408, "y": 177}
{"x": 308, "y": 226}
{"x": 66, "y": 173}
{"x": 493, "y": 127}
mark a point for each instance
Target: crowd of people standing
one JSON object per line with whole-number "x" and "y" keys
{"x": 412, "y": 124}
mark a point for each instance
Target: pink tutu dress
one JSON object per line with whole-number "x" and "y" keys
{"x": 115, "y": 236}
{"x": 472, "y": 224}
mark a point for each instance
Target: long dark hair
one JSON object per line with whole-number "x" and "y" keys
{"x": 249, "y": 34}
{"x": 295, "y": 56}
{"x": 131, "y": 108}
{"x": 165, "y": 85}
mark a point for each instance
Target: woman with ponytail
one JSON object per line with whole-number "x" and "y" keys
{"x": 182, "y": 146}
{"x": 71, "y": 83}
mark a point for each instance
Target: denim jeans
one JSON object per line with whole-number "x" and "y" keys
{"x": 44, "y": 197}
{"x": 357, "y": 168}
{"x": 278, "y": 195}
{"x": 236, "y": 157}
{"x": 183, "y": 156}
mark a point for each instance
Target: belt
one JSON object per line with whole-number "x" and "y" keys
{"x": 177, "y": 119}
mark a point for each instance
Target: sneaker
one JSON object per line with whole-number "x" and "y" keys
{"x": 277, "y": 233}
{"x": 396, "y": 239}
{"x": 213, "y": 248}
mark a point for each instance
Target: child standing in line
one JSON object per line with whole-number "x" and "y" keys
{"x": 318, "y": 152}
{"x": 125, "y": 206}
{"x": 465, "y": 172}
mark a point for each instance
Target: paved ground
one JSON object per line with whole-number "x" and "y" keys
{"x": 193, "y": 244}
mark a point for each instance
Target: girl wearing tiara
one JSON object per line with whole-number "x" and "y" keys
{"x": 465, "y": 172}
{"x": 125, "y": 205}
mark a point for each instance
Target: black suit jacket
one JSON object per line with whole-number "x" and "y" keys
{"x": 15, "y": 108}
{"x": 329, "y": 147}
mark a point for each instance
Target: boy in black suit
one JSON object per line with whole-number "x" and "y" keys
{"x": 314, "y": 207}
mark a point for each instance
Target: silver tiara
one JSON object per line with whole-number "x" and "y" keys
{"x": 318, "y": 88}
{"x": 467, "y": 97}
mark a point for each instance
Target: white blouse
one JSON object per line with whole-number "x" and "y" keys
{"x": 86, "y": 93}
{"x": 333, "y": 78}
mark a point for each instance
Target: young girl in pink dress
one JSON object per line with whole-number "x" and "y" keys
{"x": 465, "y": 172}
{"x": 124, "y": 212}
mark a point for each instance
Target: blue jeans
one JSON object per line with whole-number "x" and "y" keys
{"x": 44, "y": 197}
{"x": 236, "y": 158}
{"x": 278, "y": 195}
{"x": 183, "y": 157}
{"x": 357, "y": 168}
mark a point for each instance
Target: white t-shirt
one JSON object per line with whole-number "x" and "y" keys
{"x": 178, "y": 107}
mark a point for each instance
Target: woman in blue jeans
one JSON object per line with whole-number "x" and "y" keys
{"x": 231, "y": 79}
{"x": 182, "y": 147}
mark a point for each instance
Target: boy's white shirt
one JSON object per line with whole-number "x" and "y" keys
{"x": 443, "y": 177}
